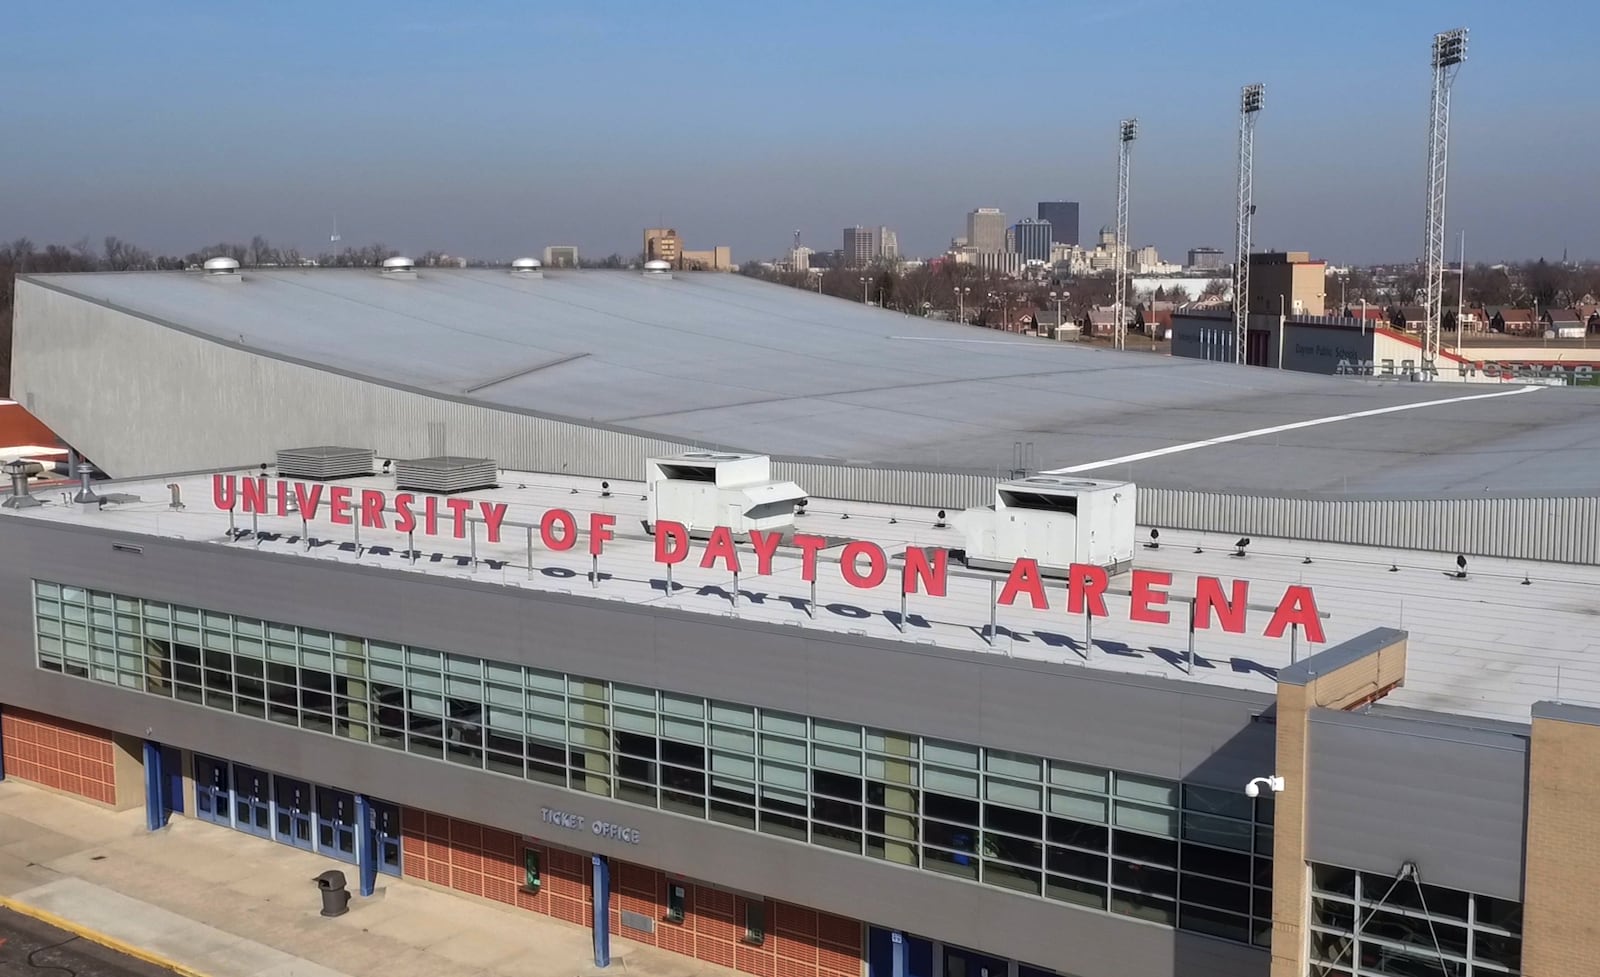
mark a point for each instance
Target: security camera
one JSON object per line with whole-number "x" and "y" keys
{"x": 1253, "y": 788}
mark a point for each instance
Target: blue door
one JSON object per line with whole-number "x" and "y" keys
{"x": 336, "y": 823}
{"x": 294, "y": 812}
{"x": 252, "y": 800}
{"x": 213, "y": 791}
{"x": 387, "y": 832}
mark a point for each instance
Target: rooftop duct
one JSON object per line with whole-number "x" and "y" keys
{"x": 1055, "y": 521}
{"x": 85, "y": 494}
{"x": 703, "y": 489}
{"x": 445, "y": 474}
{"x": 656, "y": 268}
{"x": 221, "y": 270}
{"x": 526, "y": 268}
{"x": 326, "y": 462}
{"x": 20, "y": 471}
{"x": 398, "y": 268}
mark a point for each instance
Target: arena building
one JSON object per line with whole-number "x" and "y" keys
{"x": 809, "y": 639}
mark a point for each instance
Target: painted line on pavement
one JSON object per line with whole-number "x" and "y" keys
{"x": 1280, "y": 428}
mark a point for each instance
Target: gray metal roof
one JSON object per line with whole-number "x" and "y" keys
{"x": 732, "y": 362}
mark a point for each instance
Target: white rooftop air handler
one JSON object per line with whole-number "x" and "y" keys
{"x": 703, "y": 489}
{"x": 399, "y": 268}
{"x": 1054, "y": 520}
{"x": 656, "y": 268}
{"x": 526, "y": 268}
{"x": 221, "y": 271}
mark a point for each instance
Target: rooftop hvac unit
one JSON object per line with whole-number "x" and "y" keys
{"x": 324, "y": 462}
{"x": 703, "y": 489}
{"x": 1056, "y": 521}
{"x": 526, "y": 268}
{"x": 445, "y": 475}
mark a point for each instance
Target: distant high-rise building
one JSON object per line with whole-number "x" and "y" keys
{"x": 663, "y": 244}
{"x": 799, "y": 258}
{"x": 888, "y": 245}
{"x": 1031, "y": 239}
{"x": 986, "y": 230}
{"x": 561, "y": 256}
{"x": 1063, "y": 218}
{"x": 1206, "y": 259}
{"x": 860, "y": 246}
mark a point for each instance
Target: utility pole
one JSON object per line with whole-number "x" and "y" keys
{"x": 1449, "y": 51}
{"x": 1249, "y": 107}
{"x": 1127, "y": 132}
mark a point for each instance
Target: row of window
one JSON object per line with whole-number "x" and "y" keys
{"x": 1182, "y": 855}
{"x": 1367, "y": 925}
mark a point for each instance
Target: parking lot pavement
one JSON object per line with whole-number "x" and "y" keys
{"x": 29, "y": 948}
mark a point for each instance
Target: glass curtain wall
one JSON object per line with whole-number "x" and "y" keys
{"x": 1181, "y": 855}
{"x": 1408, "y": 930}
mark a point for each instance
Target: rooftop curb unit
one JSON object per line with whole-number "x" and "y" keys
{"x": 702, "y": 489}
{"x": 444, "y": 475}
{"x": 527, "y": 268}
{"x": 1056, "y": 521}
{"x": 324, "y": 462}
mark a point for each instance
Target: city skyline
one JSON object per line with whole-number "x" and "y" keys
{"x": 425, "y": 130}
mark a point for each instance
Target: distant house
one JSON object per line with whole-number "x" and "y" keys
{"x": 1156, "y": 322}
{"x": 1408, "y": 317}
{"x": 1566, "y": 323}
{"x": 1514, "y": 322}
{"x": 1099, "y": 322}
{"x": 1052, "y": 326}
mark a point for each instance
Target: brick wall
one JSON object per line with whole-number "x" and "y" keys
{"x": 487, "y": 862}
{"x": 1560, "y": 935}
{"x": 799, "y": 942}
{"x": 65, "y": 756}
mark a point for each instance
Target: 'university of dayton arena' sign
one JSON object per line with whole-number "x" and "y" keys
{"x": 1576, "y": 373}
{"x": 862, "y": 564}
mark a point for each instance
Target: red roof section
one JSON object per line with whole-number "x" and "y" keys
{"x": 18, "y": 427}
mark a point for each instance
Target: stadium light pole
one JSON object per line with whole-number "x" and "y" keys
{"x": 1250, "y": 98}
{"x": 1127, "y": 132}
{"x": 1449, "y": 51}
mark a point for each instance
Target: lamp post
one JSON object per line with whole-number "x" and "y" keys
{"x": 1283, "y": 326}
{"x": 864, "y": 280}
{"x": 961, "y": 302}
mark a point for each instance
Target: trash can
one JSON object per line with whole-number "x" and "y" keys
{"x": 335, "y": 897}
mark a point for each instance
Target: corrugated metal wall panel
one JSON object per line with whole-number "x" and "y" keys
{"x": 121, "y": 389}
{"x": 1386, "y": 790}
{"x": 1554, "y": 529}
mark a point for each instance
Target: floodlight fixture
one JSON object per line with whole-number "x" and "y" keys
{"x": 1130, "y": 130}
{"x": 1450, "y": 48}
{"x": 1250, "y": 98}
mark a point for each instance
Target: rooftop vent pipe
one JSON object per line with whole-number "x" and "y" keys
{"x": 398, "y": 268}
{"x": 20, "y": 471}
{"x": 85, "y": 493}
{"x": 221, "y": 270}
{"x": 526, "y": 268}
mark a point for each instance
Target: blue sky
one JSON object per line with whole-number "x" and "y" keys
{"x": 493, "y": 129}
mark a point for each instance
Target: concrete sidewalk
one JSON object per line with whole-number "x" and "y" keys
{"x": 205, "y": 900}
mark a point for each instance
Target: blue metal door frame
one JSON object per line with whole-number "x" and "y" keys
{"x": 337, "y": 818}
{"x": 366, "y": 845}
{"x": 386, "y": 837}
{"x": 602, "y": 913}
{"x": 213, "y": 790}
{"x": 293, "y": 812}
{"x": 155, "y": 787}
{"x": 252, "y": 800}
{"x": 172, "y": 766}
